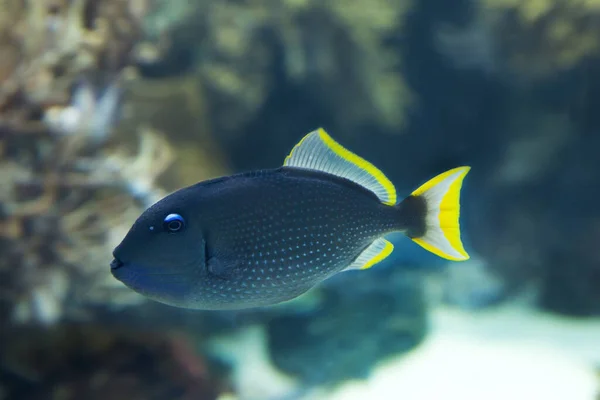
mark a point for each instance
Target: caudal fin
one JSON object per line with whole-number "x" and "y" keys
{"x": 433, "y": 212}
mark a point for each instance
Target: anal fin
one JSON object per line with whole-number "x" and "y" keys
{"x": 377, "y": 251}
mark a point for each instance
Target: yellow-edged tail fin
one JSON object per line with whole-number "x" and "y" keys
{"x": 436, "y": 206}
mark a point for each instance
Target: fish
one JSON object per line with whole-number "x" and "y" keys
{"x": 263, "y": 237}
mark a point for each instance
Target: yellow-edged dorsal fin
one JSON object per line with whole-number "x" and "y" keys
{"x": 442, "y": 229}
{"x": 377, "y": 251}
{"x": 318, "y": 151}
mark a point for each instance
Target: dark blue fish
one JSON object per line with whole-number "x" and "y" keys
{"x": 263, "y": 237}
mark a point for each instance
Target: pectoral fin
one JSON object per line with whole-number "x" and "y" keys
{"x": 220, "y": 266}
{"x": 223, "y": 269}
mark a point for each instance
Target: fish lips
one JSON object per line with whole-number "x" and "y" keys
{"x": 117, "y": 269}
{"x": 125, "y": 272}
{"x": 116, "y": 264}
{"x": 120, "y": 269}
{"x": 171, "y": 289}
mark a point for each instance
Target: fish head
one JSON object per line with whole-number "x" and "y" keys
{"x": 163, "y": 255}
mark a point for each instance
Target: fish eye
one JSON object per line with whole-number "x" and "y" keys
{"x": 174, "y": 222}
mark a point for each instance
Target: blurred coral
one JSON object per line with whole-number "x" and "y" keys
{"x": 545, "y": 37}
{"x": 336, "y": 53}
{"x": 63, "y": 212}
{"x": 49, "y": 44}
{"x": 94, "y": 362}
{"x": 525, "y": 39}
{"x": 177, "y": 105}
{"x": 381, "y": 317}
{"x": 69, "y": 192}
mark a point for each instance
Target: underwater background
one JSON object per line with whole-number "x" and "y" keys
{"x": 108, "y": 105}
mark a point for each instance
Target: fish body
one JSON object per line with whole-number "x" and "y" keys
{"x": 259, "y": 238}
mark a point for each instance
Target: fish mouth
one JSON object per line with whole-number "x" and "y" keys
{"x": 116, "y": 264}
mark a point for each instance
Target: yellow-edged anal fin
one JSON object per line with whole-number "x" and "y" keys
{"x": 377, "y": 251}
{"x": 318, "y": 151}
{"x": 442, "y": 228}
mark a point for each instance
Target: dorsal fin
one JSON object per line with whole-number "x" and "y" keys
{"x": 320, "y": 152}
{"x": 375, "y": 253}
